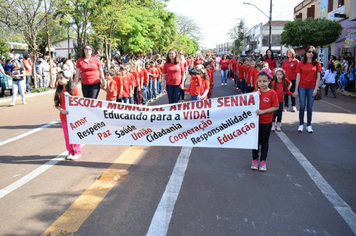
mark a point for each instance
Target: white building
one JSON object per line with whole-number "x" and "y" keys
{"x": 256, "y": 39}
{"x": 223, "y": 48}
{"x": 61, "y": 47}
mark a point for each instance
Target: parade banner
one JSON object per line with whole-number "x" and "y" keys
{"x": 225, "y": 122}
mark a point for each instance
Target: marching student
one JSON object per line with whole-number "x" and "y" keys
{"x": 281, "y": 85}
{"x": 205, "y": 85}
{"x": 110, "y": 86}
{"x": 66, "y": 87}
{"x": 194, "y": 87}
{"x": 211, "y": 70}
{"x": 268, "y": 105}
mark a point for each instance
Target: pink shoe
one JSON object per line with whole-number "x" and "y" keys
{"x": 263, "y": 166}
{"x": 285, "y": 109}
{"x": 254, "y": 165}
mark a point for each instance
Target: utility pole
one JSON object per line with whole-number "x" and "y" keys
{"x": 49, "y": 45}
{"x": 270, "y": 25}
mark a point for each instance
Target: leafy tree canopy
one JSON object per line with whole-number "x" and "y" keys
{"x": 316, "y": 32}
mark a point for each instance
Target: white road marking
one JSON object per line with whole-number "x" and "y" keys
{"x": 162, "y": 217}
{"x": 12, "y": 187}
{"x": 339, "y": 204}
{"x": 28, "y": 133}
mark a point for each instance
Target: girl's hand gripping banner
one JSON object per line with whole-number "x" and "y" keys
{"x": 225, "y": 122}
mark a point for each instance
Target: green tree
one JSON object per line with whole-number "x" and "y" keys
{"x": 237, "y": 35}
{"x": 4, "y": 48}
{"x": 316, "y": 32}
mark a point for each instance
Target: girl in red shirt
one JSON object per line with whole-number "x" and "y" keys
{"x": 307, "y": 85}
{"x": 65, "y": 88}
{"x": 210, "y": 69}
{"x": 205, "y": 85}
{"x": 253, "y": 73}
{"x": 269, "y": 58}
{"x": 268, "y": 105}
{"x": 224, "y": 69}
{"x": 111, "y": 87}
{"x": 281, "y": 85}
{"x": 194, "y": 87}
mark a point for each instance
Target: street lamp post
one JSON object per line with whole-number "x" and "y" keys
{"x": 270, "y": 21}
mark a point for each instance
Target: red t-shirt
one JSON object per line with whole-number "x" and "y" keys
{"x": 89, "y": 70}
{"x": 135, "y": 78}
{"x": 211, "y": 74}
{"x": 111, "y": 95}
{"x": 118, "y": 81}
{"x": 197, "y": 62}
{"x": 279, "y": 90}
{"x": 267, "y": 100}
{"x": 153, "y": 71}
{"x": 255, "y": 79}
{"x": 272, "y": 63}
{"x": 308, "y": 74}
{"x": 233, "y": 65}
{"x": 126, "y": 86}
{"x": 145, "y": 77}
{"x": 241, "y": 72}
{"x": 159, "y": 72}
{"x": 224, "y": 64}
{"x": 253, "y": 73}
{"x": 195, "y": 86}
{"x": 289, "y": 67}
{"x": 204, "y": 86}
{"x": 63, "y": 103}
{"x": 247, "y": 70}
{"x": 174, "y": 73}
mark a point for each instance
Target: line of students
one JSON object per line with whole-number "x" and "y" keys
{"x": 134, "y": 85}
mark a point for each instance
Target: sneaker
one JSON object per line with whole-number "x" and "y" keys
{"x": 285, "y": 109}
{"x": 334, "y": 95}
{"x": 309, "y": 129}
{"x": 75, "y": 156}
{"x": 225, "y": 84}
{"x": 278, "y": 128}
{"x": 300, "y": 128}
{"x": 263, "y": 166}
{"x": 24, "y": 103}
{"x": 69, "y": 157}
{"x": 12, "y": 104}
{"x": 294, "y": 109}
{"x": 254, "y": 165}
{"x": 222, "y": 84}
{"x": 273, "y": 128}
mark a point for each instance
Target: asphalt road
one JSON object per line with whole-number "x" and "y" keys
{"x": 308, "y": 189}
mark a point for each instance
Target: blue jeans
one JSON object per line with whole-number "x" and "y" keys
{"x": 224, "y": 76}
{"x": 18, "y": 85}
{"x": 305, "y": 97}
{"x": 126, "y": 100}
{"x": 172, "y": 93}
{"x": 194, "y": 98}
{"x": 145, "y": 91}
{"x": 154, "y": 89}
{"x": 150, "y": 85}
{"x": 243, "y": 86}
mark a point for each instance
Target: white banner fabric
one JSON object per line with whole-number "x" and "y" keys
{"x": 225, "y": 122}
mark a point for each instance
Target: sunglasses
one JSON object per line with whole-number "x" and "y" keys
{"x": 87, "y": 49}
{"x": 311, "y": 51}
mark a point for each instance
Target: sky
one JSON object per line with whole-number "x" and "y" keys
{"x": 217, "y": 17}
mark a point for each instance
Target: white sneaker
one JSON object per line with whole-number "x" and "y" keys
{"x": 222, "y": 84}
{"x": 12, "y": 104}
{"x": 300, "y": 128}
{"x": 24, "y": 103}
{"x": 309, "y": 129}
{"x": 75, "y": 157}
{"x": 69, "y": 157}
{"x": 225, "y": 84}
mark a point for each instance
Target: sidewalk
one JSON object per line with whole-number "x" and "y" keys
{"x": 27, "y": 95}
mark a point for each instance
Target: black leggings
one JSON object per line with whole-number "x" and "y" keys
{"x": 263, "y": 139}
{"x": 286, "y": 97}
{"x": 91, "y": 90}
{"x": 278, "y": 113}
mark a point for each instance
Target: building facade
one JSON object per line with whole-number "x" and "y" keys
{"x": 257, "y": 39}
{"x": 223, "y": 48}
{"x": 62, "y": 47}
{"x": 342, "y": 11}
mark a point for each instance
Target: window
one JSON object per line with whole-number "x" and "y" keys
{"x": 330, "y": 5}
{"x": 311, "y": 11}
{"x": 276, "y": 40}
{"x": 299, "y": 16}
{"x": 265, "y": 41}
{"x": 340, "y": 3}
